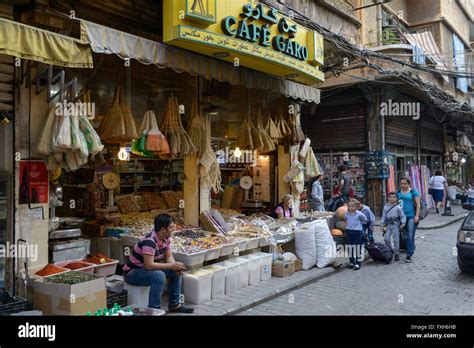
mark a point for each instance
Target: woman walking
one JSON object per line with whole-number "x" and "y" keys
{"x": 438, "y": 189}
{"x": 316, "y": 199}
{"x": 409, "y": 199}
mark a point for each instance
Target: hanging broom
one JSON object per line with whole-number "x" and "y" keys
{"x": 268, "y": 145}
{"x": 112, "y": 126}
{"x": 155, "y": 142}
{"x": 132, "y": 131}
{"x": 197, "y": 129}
{"x": 245, "y": 138}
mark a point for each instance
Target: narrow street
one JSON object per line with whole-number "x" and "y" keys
{"x": 431, "y": 285}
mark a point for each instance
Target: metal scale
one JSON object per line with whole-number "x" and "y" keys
{"x": 64, "y": 233}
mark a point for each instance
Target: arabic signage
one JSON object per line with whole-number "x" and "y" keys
{"x": 245, "y": 33}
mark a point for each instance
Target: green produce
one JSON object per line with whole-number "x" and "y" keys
{"x": 70, "y": 278}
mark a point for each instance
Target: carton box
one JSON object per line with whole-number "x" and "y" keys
{"x": 64, "y": 299}
{"x": 298, "y": 265}
{"x": 283, "y": 269}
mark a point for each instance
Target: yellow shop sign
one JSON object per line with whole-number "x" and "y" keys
{"x": 246, "y": 33}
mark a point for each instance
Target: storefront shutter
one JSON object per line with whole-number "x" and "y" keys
{"x": 336, "y": 128}
{"x": 431, "y": 134}
{"x": 400, "y": 131}
{"x": 6, "y": 83}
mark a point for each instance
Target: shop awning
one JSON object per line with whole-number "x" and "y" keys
{"x": 26, "y": 42}
{"x": 110, "y": 41}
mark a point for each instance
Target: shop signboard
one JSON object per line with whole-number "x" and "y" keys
{"x": 246, "y": 33}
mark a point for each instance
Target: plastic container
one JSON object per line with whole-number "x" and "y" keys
{"x": 120, "y": 298}
{"x": 197, "y": 285}
{"x": 114, "y": 283}
{"x": 254, "y": 268}
{"x": 253, "y": 243}
{"x": 212, "y": 254}
{"x": 264, "y": 241}
{"x": 218, "y": 280}
{"x": 88, "y": 269}
{"x": 240, "y": 245}
{"x": 227, "y": 249}
{"x": 265, "y": 265}
{"x": 231, "y": 276}
{"x": 106, "y": 269}
{"x": 243, "y": 270}
{"x": 116, "y": 251}
{"x": 191, "y": 260}
{"x": 103, "y": 245}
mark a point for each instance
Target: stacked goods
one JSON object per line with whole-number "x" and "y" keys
{"x": 142, "y": 206}
{"x": 172, "y": 198}
{"x": 180, "y": 143}
{"x": 118, "y": 125}
{"x": 127, "y": 204}
{"x": 153, "y": 200}
{"x": 50, "y": 269}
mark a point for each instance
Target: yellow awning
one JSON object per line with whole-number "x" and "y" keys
{"x": 27, "y": 42}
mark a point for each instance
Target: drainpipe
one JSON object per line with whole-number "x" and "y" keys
{"x": 379, "y": 24}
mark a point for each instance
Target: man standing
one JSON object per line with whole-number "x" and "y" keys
{"x": 151, "y": 262}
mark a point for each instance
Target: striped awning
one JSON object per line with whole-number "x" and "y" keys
{"x": 426, "y": 41}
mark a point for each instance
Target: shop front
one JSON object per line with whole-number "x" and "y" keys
{"x": 127, "y": 128}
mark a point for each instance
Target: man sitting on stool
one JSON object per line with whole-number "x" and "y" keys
{"x": 151, "y": 262}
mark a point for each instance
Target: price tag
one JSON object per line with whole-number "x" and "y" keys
{"x": 36, "y": 213}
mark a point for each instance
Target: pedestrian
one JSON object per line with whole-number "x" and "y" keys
{"x": 344, "y": 183}
{"x": 151, "y": 263}
{"x": 394, "y": 220}
{"x": 438, "y": 189}
{"x": 316, "y": 198}
{"x": 470, "y": 194}
{"x": 354, "y": 234}
{"x": 409, "y": 199}
{"x": 367, "y": 227}
{"x": 284, "y": 210}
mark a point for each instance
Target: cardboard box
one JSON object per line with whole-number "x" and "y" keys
{"x": 283, "y": 269}
{"x": 298, "y": 265}
{"x": 64, "y": 299}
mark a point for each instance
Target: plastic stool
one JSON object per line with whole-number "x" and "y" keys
{"x": 137, "y": 295}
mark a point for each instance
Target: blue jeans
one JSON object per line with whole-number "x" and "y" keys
{"x": 354, "y": 240}
{"x": 411, "y": 229}
{"x": 470, "y": 200}
{"x": 368, "y": 233}
{"x": 156, "y": 281}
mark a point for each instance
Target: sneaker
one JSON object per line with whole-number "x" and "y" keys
{"x": 181, "y": 309}
{"x": 408, "y": 259}
{"x": 397, "y": 258}
{"x": 351, "y": 266}
{"x": 356, "y": 267}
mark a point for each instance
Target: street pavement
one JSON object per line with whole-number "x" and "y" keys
{"x": 431, "y": 285}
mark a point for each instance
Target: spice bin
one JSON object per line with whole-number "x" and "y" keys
{"x": 253, "y": 243}
{"x": 265, "y": 265}
{"x": 114, "y": 283}
{"x": 106, "y": 269}
{"x": 197, "y": 285}
{"x": 191, "y": 260}
{"x": 88, "y": 269}
{"x": 264, "y": 241}
{"x": 227, "y": 249}
{"x": 231, "y": 276}
{"x": 218, "y": 280}
{"x": 212, "y": 254}
{"x": 243, "y": 270}
{"x": 254, "y": 268}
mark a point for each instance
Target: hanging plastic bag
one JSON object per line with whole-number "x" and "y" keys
{"x": 305, "y": 148}
{"x": 75, "y": 130}
{"x": 62, "y": 132}
{"x": 45, "y": 138}
{"x": 141, "y": 141}
{"x": 94, "y": 144}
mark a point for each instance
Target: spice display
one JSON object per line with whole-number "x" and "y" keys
{"x": 127, "y": 204}
{"x": 70, "y": 278}
{"x": 152, "y": 200}
{"x": 49, "y": 269}
{"x": 76, "y": 265}
{"x": 190, "y": 234}
{"x": 99, "y": 259}
{"x": 172, "y": 198}
{"x": 186, "y": 249}
{"x": 142, "y": 206}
